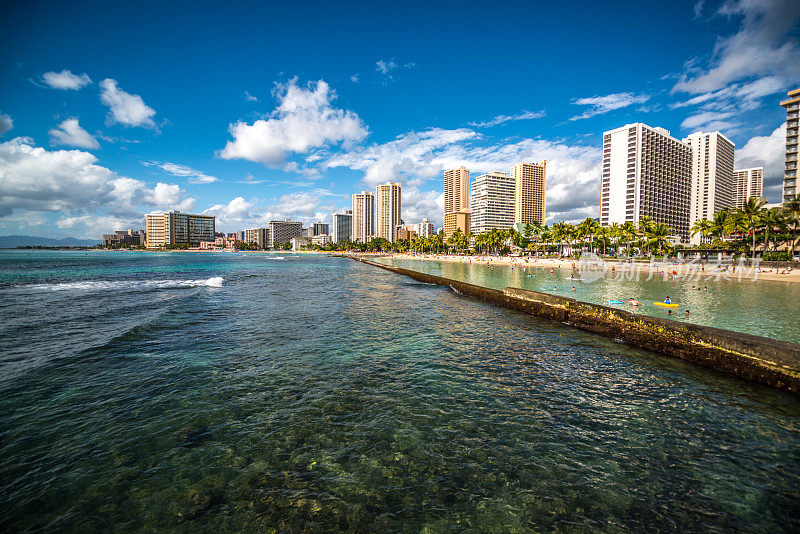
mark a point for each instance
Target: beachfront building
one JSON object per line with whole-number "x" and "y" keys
{"x": 749, "y": 183}
{"x": 239, "y": 235}
{"x": 342, "y": 227}
{"x": 456, "y": 201}
{"x": 492, "y": 202}
{"x": 406, "y": 232}
{"x": 299, "y": 242}
{"x": 363, "y": 216}
{"x": 321, "y": 240}
{"x": 646, "y": 173}
{"x": 124, "y": 238}
{"x": 713, "y": 188}
{"x": 259, "y": 236}
{"x": 281, "y": 232}
{"x": 387, "y": 210}
{"x": 792, "y": 106}
{"x": 320, "y": 228}
{"x": 174, "y": 227}
{"x": 425, "y": 228}
{"x": 530, "y": 183}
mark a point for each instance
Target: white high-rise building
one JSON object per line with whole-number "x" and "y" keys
{"x": 425, "y": 228}
{"x": 646, "y": 173}
{"x": 387, "y": 210}
{"x": 749, "y": 183}
{"x": 792, "y": 106}
{"x": 713, "y": 188}
{"x": 492, "y": 202}
{"x": 342, "y": 227}
{"x": 363, "y": 216}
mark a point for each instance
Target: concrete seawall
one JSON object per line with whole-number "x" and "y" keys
{"x": 760, "y": 359}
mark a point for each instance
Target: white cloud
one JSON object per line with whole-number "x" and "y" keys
{"x": 65, "y": 80}
{"x": 354, "y": 78}
{"x": 768, "y": 152}
{"x": 249, "y": 97}
{"x": 33, "y": 179}
{"x": 236, "y": 211}
{"x": 125, "y": 108}
{"x": 500, "y": 119}
{"x": 710, "y": 121}
{"x": 304, "y": 119}
{"x": 192, "y": 175}
{"x": 70, "y": 133}
{"x": 604, "y": 104}
{"x": 763, "y": 46}
{"x": 384, "y": 66}
{"x": 6, "y": 123}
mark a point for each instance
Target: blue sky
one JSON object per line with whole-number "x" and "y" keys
{"x": 253, "y": 111}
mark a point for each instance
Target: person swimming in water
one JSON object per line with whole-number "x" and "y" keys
{"x": 633, "y": 302}
{"x": 687, "y": 313}
{"x": 667, "y": 301}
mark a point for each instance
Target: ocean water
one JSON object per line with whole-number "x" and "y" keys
{"x": 199, "y": 392}
{"x": 763, "y": 308}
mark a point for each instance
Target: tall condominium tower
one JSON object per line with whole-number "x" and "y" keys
{"x": 713, "y": 188}
{"x": 363, "y": 216}
{"x": 749, "y": 183}
{"x": 282, "y": 232}
{"x": 790, "y": 173}
{"x": 259, "y": 236}
{"x": 425, "y": 228}
{"x": 492, "y": 202}
{"x": 456, "y": 201}
{"x": 530, "y": 183}
{"x": 646, "y": 173}
{"x": 342, "y": 227}
{"x": 175, "y": 227}
{"x": 387, "y": 210}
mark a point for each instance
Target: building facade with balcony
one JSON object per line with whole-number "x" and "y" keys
{"x": 792, "y": 106}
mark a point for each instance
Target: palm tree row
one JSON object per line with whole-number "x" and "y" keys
{"x": 771, "y": 227}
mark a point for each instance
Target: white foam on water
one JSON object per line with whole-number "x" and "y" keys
{"x": 132, "y": 285}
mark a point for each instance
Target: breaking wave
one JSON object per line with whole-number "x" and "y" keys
{"x": 104, "y": 285}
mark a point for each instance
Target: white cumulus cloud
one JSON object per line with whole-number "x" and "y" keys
{"x": 304, "y": 119}
{"x": 65, "y": 80}
{"x": 6, "y": 123}
{"x": 70, "y": 133}
{"x": 125, "y": 108}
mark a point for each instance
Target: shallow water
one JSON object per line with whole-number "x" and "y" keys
{"x": 319, "y": 393}
{"x": 764, "y": 308}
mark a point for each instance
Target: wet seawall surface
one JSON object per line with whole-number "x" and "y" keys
{"x": 768, "y": 361}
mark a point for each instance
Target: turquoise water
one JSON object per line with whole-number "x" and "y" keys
{"x": 200, "y": 392}
{"x": 764, "y": 308}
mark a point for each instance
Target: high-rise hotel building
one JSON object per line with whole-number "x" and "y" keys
{"x": 792, "y": 106}
{"x": 363, "y": 216}
{"x": 456, "y": 201}
{"x": 387, "y": 210}
{"x": 749, "y": 183}
{"x": 646, "y": 173}
{"x": 491, "y": 202}
{"x": 425, "y": 228}
{"x": 530, "y": 183}
{"x": 342, "y": 227}
{"x": 282, "y": 232}
{"x": 713, "y": 187}
{"x": 174, "y": 227}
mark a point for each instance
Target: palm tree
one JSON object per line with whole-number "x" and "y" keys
{"x": 658, "y": 236}
{"x": 629, "y": 232}
{"x": 792, "y": 213}
{"x": 702, "y": 227}
{"x": 771, "y": 219}
{"x": 750, "y": 212}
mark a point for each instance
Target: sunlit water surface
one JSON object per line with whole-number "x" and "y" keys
{"x": 242, "y": 392}
{"x": 764, "y": 308}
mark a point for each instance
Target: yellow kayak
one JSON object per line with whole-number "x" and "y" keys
{"x": 664, "y": 304}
